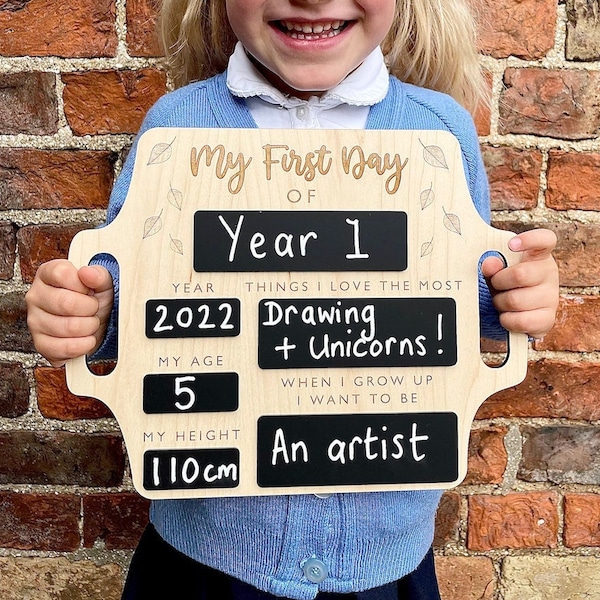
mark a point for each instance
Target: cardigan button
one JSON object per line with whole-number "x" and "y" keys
{"x": 315, "y": 570}
{"x": 301, "y": 112}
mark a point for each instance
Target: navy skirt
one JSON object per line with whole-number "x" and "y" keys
{"x": 160, "y": 572}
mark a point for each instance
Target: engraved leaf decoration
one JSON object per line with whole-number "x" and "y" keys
{"x": 160, "y": 153}
{"x": 176, "y": 245}
{"x": 434, "y": 156}
{"x": 175, "y": 198}
{"x": 152, "y": 225}
{"x": 451, "y": 222}
{"x": 426, "y": 248}
{"x": 427, "y": 197}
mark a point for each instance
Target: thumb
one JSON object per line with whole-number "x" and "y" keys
{"x": 96, "y": 278}
{"x": 491, "y": 265}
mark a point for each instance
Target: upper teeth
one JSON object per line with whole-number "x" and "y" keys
{"x": 311, "y": 28}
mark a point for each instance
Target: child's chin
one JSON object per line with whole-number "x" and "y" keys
{"x": 315, "y": 87}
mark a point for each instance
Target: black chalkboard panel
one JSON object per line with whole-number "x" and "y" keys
{"x": 359, "y": 332}
{"x": 190, "y": 392}
{"x": 183, "y": 318}
{"x": 191, "y": 469}
{"x": 231, "y": 241}
{"x": 357, "y": 449}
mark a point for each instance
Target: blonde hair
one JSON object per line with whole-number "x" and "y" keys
{"x": 432, "y": 44}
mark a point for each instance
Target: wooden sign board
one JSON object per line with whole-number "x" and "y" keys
{"x": 298, "y": 312}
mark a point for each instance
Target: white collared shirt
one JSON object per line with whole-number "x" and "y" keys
{"x": 346, "y": 106}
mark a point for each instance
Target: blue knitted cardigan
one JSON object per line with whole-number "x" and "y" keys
{"x": 365, "y": 539}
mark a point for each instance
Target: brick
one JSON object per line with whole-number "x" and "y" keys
{"x": 552, "y": 389}
{"x": 514, "y": 177}
{"x": 513, "y": 521}
{"x": 59, "y": 579}
{"x": 85, "y": 28}
{"x": 142, "y": 35}
{"x": 55, "y": 401}
{"x": 28, "y": 103}
{"x": 577, "y": 327}
{"x": 447, "y": 520}
{"x": 39, "y": 521}
{"x": 32, "y": 179}
{"x": 523, "y": 28}
{"x": 561, "y": 455}
{"x": 583, "y": 30}
{"x": 551, "y": 578}
{"x": 555, "y": 103}
{"x": 14, "y": 390}
{"x": 103, "y": 102}
{"x": 465, "y": 578}
{"x": 8, "y": 246}
{"x": 40, "y": 243}
{"x": 116, "y": 519}
{"x": 61, "y": 458}
{"x": 14, "y": 334}
{"x": 487, "y": 456}
{"x": 582, "y": 520}
{"x": 577, "y": 251}
{"x": 497, "y": 346}
{"x": 573, "y": 180}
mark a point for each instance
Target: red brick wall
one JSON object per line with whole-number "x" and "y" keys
{"x": 75, "y": 81}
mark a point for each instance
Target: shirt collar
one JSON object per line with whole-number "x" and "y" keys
{"x": 366, "y": 85}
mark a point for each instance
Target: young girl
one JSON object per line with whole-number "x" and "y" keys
{"x": 303, "y": 64}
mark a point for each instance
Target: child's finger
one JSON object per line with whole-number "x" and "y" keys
{"x": 61, "y": 273}
{"x": 536, "y": 244}
{"x": 61, "y": 302}
{"x": 58, "y": 350}
{"x": 522, "y": 299}
{"x": 521, "y": 275}
{"x": 535, "y": 323}
{"x": 69, "y": 327}
{"x": 96, "y": 278}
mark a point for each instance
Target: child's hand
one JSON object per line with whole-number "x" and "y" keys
{"x": 526, "y": 294}
{"x": 68, "y": 309}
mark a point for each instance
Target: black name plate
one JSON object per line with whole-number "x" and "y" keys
{"x": 192, "y": 392}
{"x": 193, "y": 469}
{"x": 231, "y": 241}
{"x": 357, "y": 449}
{"x": 374, "y": 332}
{"x": 215, "y": 317}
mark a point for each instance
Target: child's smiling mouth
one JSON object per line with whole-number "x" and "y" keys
{"x": 311, "y": 31}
